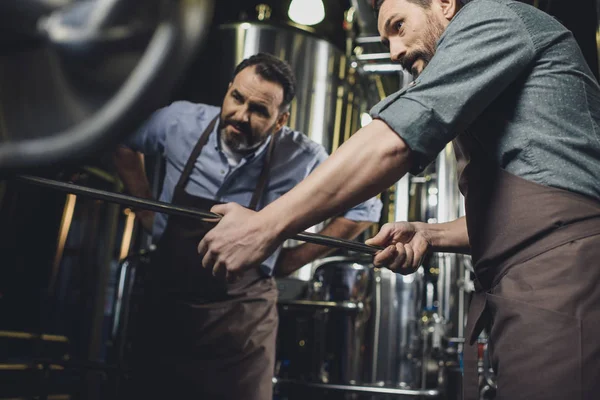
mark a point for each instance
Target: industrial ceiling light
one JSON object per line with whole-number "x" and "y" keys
{"x": 307, "y": 12}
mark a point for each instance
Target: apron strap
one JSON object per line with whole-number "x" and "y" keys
{"x": 264, "y": 174}
{"x": 189, "y": 166}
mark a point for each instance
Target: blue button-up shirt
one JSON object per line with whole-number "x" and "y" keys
{"x": 173, "y": 132}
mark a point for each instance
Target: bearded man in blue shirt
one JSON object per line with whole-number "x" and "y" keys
{"x": 210, "y": 336}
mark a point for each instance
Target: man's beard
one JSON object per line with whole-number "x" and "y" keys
{"x": 431, "y": 35}
{"x": 243, "y": 142}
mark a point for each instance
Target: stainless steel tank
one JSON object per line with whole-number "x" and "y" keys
{"x": 394, "y": 332}
{"x": 452, "y": 272}
{"x": 340, "y": 279}
{"x": 321, "y": 338}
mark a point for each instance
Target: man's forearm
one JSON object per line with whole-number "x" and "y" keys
{"x": 130, "y": 167}
{"x": 449, "y": 237}
{"x": 293, "y": 258}
{"x": 373, "y": 159}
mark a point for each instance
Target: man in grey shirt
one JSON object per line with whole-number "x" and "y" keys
{"x": 509, "y": 86}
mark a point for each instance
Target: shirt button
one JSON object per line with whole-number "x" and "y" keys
{"x": 222, "y": 171}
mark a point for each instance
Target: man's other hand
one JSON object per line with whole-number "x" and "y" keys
{"x": 405, "y": 245}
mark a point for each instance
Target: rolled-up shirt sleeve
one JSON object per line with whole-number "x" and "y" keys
{"x": 483, "y": 50}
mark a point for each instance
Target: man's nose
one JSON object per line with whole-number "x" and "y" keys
{"x": 242, "y": 114}
{"x": 397, "y": 50}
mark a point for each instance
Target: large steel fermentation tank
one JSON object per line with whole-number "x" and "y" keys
{"x": 330, "y": 97}
{"x": 322, "y": 335}
{"x": 357, "y": 328}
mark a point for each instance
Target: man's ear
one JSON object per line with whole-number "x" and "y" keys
{"x": 282, "y": 120}
{"x": 449, "y": 8}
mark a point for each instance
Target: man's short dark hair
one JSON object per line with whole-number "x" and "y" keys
{"x": 422, "y": 3}
{"x": 274, "y": 70}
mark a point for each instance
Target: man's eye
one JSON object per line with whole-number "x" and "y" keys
{"x": 398, "y": 25}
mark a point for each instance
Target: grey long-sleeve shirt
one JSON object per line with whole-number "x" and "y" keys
{"x": 516, "y": 79}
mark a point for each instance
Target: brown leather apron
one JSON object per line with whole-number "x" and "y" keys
{"x": 205, "y": 338}
{"x": 536, "y": 253}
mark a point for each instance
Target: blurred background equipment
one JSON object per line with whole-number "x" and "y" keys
{"x": 77, "y": 76}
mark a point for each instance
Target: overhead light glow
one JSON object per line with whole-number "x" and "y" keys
{"x": 307, "y": 12}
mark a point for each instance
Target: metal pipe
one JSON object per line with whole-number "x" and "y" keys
{"x": 598, "y": 31}
{"x": 33, "y": 336}
{"x": 119, "y": 198}
{"x": 172, "y": 209}
{"x": 448, "y": 209}
{"x": 382, "y": 68}
{"x": 101, "y": 274}
{"x": 373, "y": 56}
{"x": 63, "y": 233}
{"x": 127, "y": 234}
{"x": 345, "y": 305}
{"x": 368, "y": 39}
{"x": 361, "y": 388}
